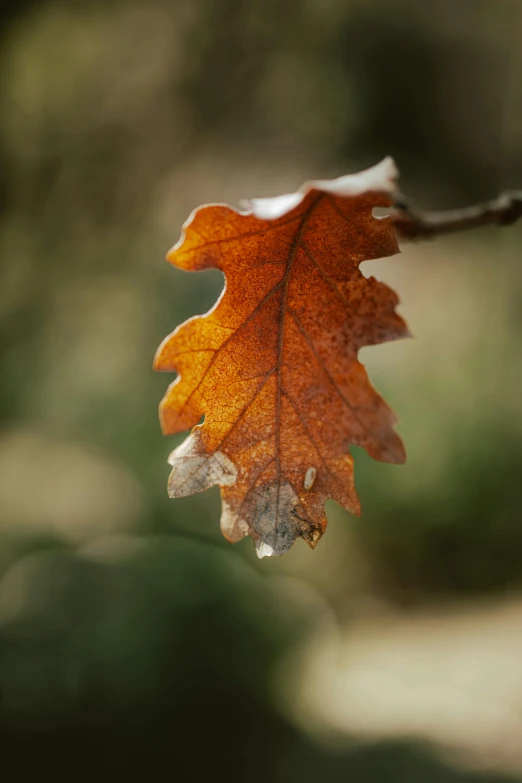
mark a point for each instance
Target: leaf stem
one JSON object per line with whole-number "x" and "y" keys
{"x": 411, "y": 223}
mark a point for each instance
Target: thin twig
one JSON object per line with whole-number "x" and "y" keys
{"x": 411, "y": 223}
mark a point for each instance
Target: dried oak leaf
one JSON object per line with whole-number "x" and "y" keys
{"x": 273, "y": 366}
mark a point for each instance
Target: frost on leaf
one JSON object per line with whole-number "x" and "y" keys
{"x": 273, "y": 366}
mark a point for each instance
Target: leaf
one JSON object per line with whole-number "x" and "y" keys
{"x": 273, "y": 366}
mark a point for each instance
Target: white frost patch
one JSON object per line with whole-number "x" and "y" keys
{"x": 264, "y": 550}
{"x": 194, "y": 471}
{"x": 381, "y": 178}
{"x": 272, "y": 208}
{"x": 309, "y": 478}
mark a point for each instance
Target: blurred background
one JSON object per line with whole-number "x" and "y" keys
{"x": 135, "y": 643}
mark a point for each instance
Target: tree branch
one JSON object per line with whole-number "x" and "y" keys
{"x": 415, "y": 224}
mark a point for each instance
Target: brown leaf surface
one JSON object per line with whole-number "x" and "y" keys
{"x": 273, "y": 366}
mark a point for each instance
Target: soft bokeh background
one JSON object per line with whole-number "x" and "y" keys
{"x": 135, "y": 644}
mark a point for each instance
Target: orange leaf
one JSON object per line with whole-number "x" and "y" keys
{"x": 273, "y": 366}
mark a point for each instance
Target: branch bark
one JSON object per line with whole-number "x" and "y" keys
{"x": 414, "y": 224}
